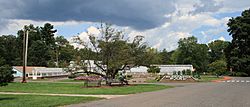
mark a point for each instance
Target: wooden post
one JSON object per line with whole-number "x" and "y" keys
{"x": 24, "y": 55}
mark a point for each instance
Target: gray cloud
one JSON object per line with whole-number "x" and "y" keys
{"x": 3, "y": 22}
{"x": 138, "y": 14}
{"x": 207, "y": 6}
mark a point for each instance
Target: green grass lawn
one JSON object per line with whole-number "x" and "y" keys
{"x": 208, "y": 78}
{"x": 152, "y": 81}
{"x": 40, "y": 100}
{"x": 66, "y": 88}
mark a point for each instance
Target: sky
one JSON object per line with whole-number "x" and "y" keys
{"x": 161, "y": 22}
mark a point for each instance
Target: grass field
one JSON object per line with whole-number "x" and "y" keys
{"x": 40, "y": 101}
{"x": 208, "y": 78}
{"x": 66, "y": 88}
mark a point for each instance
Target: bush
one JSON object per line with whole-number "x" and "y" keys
{"x": 72, "y": 76}
{"x": 6, "y": 75}
{"x": 196, "y": 74}
{"x": 188, "y": 72}
{"x": 239, "y": 74}
{"x": 179, "y": 73}
{"x": 174, "y": 73}
{"x": 183, "y": 72}
{"x": 153, "y": 69}
{"x": 218, "y": 67}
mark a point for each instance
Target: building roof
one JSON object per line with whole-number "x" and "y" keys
{"x": 28, "y": 68}
{"x": 48, "y": 70}
{"x": 173, "y": 65}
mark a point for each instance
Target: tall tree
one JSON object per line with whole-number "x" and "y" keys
{"x": 238, "y": 51}
{"x": 47, "y": 34}
{"x": 64, "y": 52}
{"x": 9, "y": 49}
{"x": 190, "y": 52}
{"x": 38, "y": 54}
{"x": 5, "y": 72}
{"x": 217, "y": 50}
{"x": 41, "y": 45}
{"x": 166, "y": 57}
{"x": 152, "y": 56}
{"x": 113, "y": 52}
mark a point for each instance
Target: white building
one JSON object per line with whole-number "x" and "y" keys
{"x": 170, "y": 69}
{"x": 88, "y": 65}
{"x": 138, "y": 69}
{"x": 39, "y": 72}
{"x": 92, "y": 67}
{"x": 164, "y": 69}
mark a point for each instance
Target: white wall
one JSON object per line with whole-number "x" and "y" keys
{"x": 138, "y": 69}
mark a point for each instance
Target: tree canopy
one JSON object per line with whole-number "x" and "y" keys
{"x": 238, "y": 52}
{"x": 113, "y": 53}
{"x": 190, "y": 52}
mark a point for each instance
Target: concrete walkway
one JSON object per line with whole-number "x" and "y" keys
{"x": 75, "y": 95}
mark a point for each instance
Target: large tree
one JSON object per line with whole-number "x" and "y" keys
{"x": 8, "y": 54}
{"x": 217, "y": 50}
{"x": 5, "y": 72}
{"x": 166, "y": 57}
{"x": 113, "y": 52}
{"x": 9, "y": 49}
{"x": 217, "y": 57}
{"x": 238, "y": 52}
{"x": 41, "y": 45}
{"x": 190, "y": 52}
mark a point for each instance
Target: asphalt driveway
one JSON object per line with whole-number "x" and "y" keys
{"x": 222, "y": 94}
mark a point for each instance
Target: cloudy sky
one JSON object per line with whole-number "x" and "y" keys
{"x": 162, "y": 22}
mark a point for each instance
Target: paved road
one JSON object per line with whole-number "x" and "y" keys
{"x": 223, "y": 94}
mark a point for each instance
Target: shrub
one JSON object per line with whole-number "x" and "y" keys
{"x": 6, "y": 75}
{"x": 218, "y": 67}
{"x": 71, "y": 76}
{"x": 188, "y": 72}
{"x": 239, "y": 74}
{"x": 183, "y": 72}
{"x": 174, "y": 73}
{"x": 196, "y": 74}
{"x": 153, "y": 69}
{"x": 179, "y": 73}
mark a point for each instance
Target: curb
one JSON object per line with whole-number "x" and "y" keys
{"x": 225, "y": 78}
{"x": 73, "y": 95}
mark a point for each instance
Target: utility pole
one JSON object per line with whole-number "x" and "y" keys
{"x": 25, "y": 43}
{"x": 25, "y": 52}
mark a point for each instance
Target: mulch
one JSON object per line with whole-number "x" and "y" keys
{"x": 225, "y": 78}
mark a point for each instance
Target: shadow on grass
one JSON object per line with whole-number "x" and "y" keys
{"x": 7, "y": 98}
